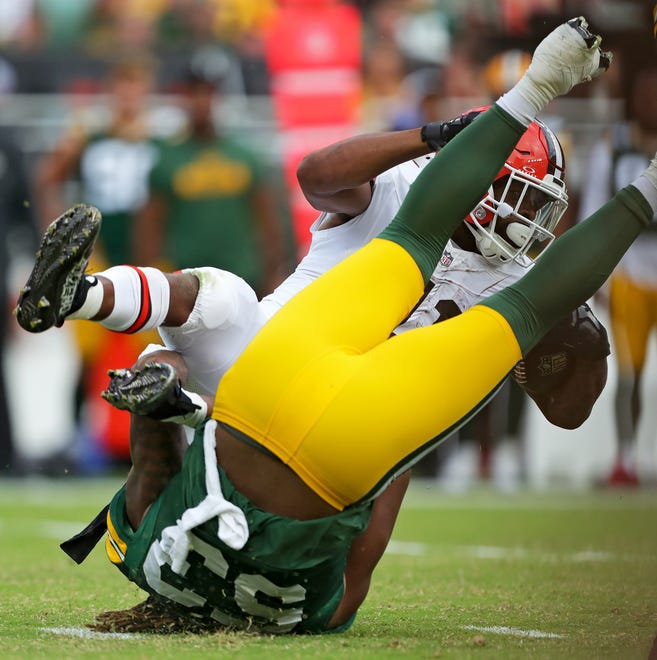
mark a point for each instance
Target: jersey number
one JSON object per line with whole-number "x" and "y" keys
{"x": 247, "y": 587}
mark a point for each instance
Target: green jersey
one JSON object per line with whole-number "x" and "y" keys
{"x": 287, "y": 576}
{"x": 208, "y": 188}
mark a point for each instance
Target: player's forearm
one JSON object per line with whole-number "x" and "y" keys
{"x": 366, "y": 551}
{"x": 356, "y": 161}
{"x": 156, "y": 451}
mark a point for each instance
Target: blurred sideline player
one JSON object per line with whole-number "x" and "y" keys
{"x": 614, "y": 162}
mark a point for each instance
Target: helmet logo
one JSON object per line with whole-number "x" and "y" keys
{"x": 528, "y": 169}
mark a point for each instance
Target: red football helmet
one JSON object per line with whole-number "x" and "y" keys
{"x": 527, "y": 198}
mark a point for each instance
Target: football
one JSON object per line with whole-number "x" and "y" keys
{"x": 552, "y": 360}
{"x": 543, "y": 369}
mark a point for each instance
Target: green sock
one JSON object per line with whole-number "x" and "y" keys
{"x": 451, "y": 186}
{"x": 573, "y": 268}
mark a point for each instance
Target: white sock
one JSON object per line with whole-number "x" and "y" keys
{"x": 628, "y": 456}
{"x": 141, "y": 298}
{"x": 646, "y": 184}
{"x": 92, "y": 302}
{"x": 518, "y": 106}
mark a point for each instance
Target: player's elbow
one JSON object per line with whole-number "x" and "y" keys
{"x": 310, "y": 174}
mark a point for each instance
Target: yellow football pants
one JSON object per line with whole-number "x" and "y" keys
{"x": 633, "y": 316}
{"x": 324, "y": 388}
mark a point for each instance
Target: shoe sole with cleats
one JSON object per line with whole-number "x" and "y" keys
{"x": 142, "y": 391}
{"x": 61, "y": 261}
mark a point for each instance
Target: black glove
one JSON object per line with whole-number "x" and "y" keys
{"x": 438, "y": 133}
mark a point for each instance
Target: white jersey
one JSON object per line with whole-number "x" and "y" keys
{"x": 463, "y": 277}
{"x": 608, "y": 173}
{"x": 330, "y": 246}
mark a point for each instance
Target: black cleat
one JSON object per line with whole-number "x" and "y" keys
{"x": 50, "y": 292}
{"x": 153, "y": 391}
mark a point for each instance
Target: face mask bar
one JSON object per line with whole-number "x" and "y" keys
{"x": 548, "y": 200}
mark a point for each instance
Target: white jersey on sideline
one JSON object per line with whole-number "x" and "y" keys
{"x": 608, "y": 172}
{"x": 464, "y": 277}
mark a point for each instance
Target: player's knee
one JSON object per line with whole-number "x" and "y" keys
{"x": 220, "y": 298}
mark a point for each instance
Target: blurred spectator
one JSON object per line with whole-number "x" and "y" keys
{"x": 116, "y": 25}
{"x": 235, "y": 20}
{"x": 64, "y": 22}
{"x": 111, "y": 164}
{"x": 382, "y": 19}
{"x": 384, "y": 72}
{"x": 211, "y": 202}
{"x": 462, "y": 71}
{"x": 516, "y": 14}
{"x": 176, "y": 24}
{"x": 614, "y": 162}
{"x": 8, "y": 77}
{"x": 423, "y": 33}
{"x": 241, "y": 24}
{"x": 20, "y": 24}
{"x": 17, "y": 233}
{"x": 504, "y": 69}
{"x": 423, "y": 92}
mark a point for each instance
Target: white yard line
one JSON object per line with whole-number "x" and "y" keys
{"x": 85, "y": 633}
{"x": 60, "y": 530}
{"x": 415, "y": 549}
{"x": 515, "y": 632}
{"x": 406, "y": 548}
{"x": 499, "y": 552}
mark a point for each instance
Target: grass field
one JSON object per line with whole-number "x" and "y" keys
{"x": 480, "y": 575}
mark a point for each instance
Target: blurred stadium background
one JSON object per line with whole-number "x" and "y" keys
{"x": 302, "y": 73}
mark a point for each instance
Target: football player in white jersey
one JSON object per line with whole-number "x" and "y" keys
{"x": 487, "y": 252}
